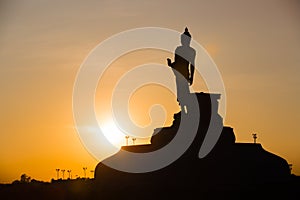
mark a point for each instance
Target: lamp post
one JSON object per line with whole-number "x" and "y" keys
{"x": 254, "y": 137}
{"x": 84, "y": 170}
{"x": 57, "y": 173}
{"x": 126, "y": 137}
{"x": 69, "y": 172}
{"x": 63, "y": 173}
{"x": 92, "y": 172}
{"x": 133, "y": 140}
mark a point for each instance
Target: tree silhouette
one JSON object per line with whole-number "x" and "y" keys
{"x": 57, "y": 173}
{"x": 24, "y": 178}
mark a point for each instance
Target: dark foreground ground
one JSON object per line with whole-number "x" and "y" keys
{"x": 87, "y": 189}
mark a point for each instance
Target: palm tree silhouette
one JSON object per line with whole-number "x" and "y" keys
{"x": 57, "y": 173}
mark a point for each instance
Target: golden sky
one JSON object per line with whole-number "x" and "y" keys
{"x": 255, "y": 44}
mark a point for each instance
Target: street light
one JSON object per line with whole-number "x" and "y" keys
{"x": 63, "y": 173}
{"x": 69, "y": 172}
{"x": 57, "y": 173}
{"x": 92, "y": 172}
{"x": 126, "y": 137}
{"x": 133, "y": 140}
{"x": 254, "y": 135}
{"x": 84, "y": 170}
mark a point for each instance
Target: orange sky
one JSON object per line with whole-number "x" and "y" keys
{"x": 255, "y": 44}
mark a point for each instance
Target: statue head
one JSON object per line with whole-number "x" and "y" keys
{"x": 186, "y": 37}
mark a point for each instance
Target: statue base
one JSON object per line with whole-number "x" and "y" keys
{"x": 228, "y": 168}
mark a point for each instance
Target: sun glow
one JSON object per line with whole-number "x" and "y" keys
{"x": 113, "y": 134}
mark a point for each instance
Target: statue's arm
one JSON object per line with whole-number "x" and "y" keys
{"x": 169, "y": 62}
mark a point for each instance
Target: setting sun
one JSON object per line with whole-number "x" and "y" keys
{"x": 113, "y": 134}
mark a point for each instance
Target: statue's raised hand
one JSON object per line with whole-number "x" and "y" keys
{"x": 169, "y": 62}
